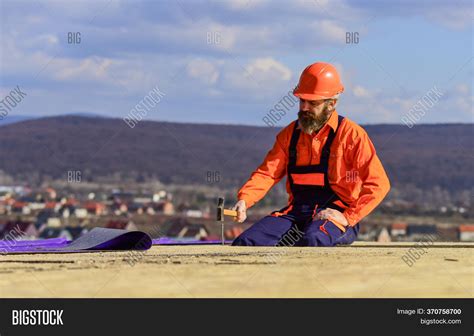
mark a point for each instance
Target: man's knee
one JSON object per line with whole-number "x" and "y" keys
{"x": 318, "y": 233}
{"x": 326, "y": 234}
{"x": 242, "y": 240}
{"x": 266, "y": 232}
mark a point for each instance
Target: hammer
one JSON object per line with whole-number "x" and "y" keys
{"x": 221, "y": 212}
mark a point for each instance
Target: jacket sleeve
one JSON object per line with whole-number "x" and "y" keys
{"x": 269, "y": 173}
{"x": 374, "y": 181}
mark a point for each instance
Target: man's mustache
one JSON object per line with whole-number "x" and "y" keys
{"x": 305, "y": 114}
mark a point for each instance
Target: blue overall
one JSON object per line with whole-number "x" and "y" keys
{"x": 294, "y": 225}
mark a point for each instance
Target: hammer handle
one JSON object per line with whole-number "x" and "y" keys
{"x": 228, "y": 212}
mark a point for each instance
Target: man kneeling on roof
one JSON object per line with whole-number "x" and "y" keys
{"x": 334, "y": 177}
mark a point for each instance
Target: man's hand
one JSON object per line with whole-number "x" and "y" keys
{"x": 333, "y": 215}
{"x": 241, "y": 209}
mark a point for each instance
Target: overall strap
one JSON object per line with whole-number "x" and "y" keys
{"x": 293, "y": 142}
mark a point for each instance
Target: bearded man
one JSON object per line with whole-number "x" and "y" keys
{"x": 334, "y": 177}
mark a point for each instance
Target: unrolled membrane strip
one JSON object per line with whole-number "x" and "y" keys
{"x": 178, "y": 241}
{"x": 20, "y": 245}
{"x": 98, "y": 239}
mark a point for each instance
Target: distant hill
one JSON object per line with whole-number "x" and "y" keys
{"x": 12, "y": 119}
{"x": 426, "y": 155}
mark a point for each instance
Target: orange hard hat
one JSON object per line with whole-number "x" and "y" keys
{"x": 319, "y": 81}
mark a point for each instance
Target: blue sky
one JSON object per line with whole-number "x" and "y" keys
{"x": 256, "y": 53}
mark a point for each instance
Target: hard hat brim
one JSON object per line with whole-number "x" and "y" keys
{"x": 309, "y": 96}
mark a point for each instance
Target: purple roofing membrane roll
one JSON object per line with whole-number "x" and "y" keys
{"x": 111, "y": 239}
{"x": 98, "y": 239}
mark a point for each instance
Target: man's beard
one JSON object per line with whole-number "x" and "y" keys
{"x": 311, "y": 123}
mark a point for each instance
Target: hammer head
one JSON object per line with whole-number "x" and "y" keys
{"x": 220, "y": 209}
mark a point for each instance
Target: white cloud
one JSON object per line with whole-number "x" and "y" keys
{"x": 268, "y": 69}
{"x": 464, "y": 100}
{"x": 361, "y": 92}
{"x": 330, "y": 30}
{"x": 40, "y": 41}
{"x": 91, "y": 68}
{"x": 244, "y": 4}
{"x": 259, "y": 78}
{"x": 462, "y": 88}
{"x": 202, "y": 70}
{"x": 453, "y": 17}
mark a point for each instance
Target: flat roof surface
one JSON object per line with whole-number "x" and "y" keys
{"x": 367, "y": 270}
